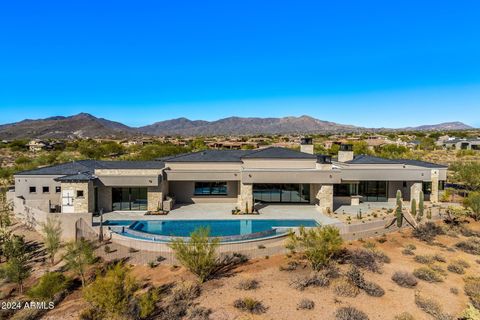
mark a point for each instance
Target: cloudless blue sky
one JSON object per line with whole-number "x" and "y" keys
{"x": 369, "y": 63}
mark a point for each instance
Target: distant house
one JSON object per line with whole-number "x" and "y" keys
{"x": 462, "y": 144}
{"x": 39, "y": 145}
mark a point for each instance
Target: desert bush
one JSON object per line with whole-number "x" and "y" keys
{"x": 408, "y": 252}
{"x": 404, "y": 279}
{"x": 428, "y": 259}
{"x": 91, "y": 314}
{"x": 427, "y": 231}
{"x": 198, "y": 254}
{"x": 454, "y": 290}
{"x": 404, "y": 316}
{"x": 427, "y": 274}
{"x": 248, "y": 284}
{"x": 291, "y": 265}
{"x": 370, "y": 288}
{"x": 439, "y": 269}
{"x": 319, "y": 244}
{"x": 185, "y": 291}
{"x": 364, "y": 259}
{"x": 455, "y": 267}
{"x": 350, "y": 313}
{"x": 146, "y": 304}
{"x": 345, "y": 288}
{"x": 471, "y": 246}
{"x": 472, "y": 290}
{"x": 431, "y": 307}
{"x": 473, "y": 203}
{"x": 48, "y": 286}
{"x": 373, "y": 289}
{"x": 317, "y": 279}
{"x": 470, "y": 313}
{"x": 468, "y": 232}
{"x": 249, "y": 304}
{"x": 411, "y": 246}
{"x": 199, "y": 313}
{"x": 305, "y": 304}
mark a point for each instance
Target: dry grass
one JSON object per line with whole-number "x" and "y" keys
{"x": 427, "y": 274}
{"x": 250, "y": 305}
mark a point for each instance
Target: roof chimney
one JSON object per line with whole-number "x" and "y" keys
{"x": 345, "y": 153}
{"x": 306, "y": 145}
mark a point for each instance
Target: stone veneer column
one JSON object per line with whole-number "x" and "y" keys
{"x": 245, "y": 199}
{"x": 154, "y": 198}
{"x": 81, "y": 204}
{"x": 415, "y": 191}
{"x": 325, "y": 198}
{"x": 435, "y": 181}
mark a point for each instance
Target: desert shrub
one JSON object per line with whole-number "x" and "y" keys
{"x": 456, "y": 268}
{"x": 248, "y": 284}
{"x": 404, "y": 279}
{"x": 470, "y": 313}
{"x": 427, "y": 231}
{"x": 472, "y": 290}
{"x": 454, "y": 290}
{"x": 48, "y": 286}
{"x": 439, "y": 269}
{"x": 345, "y": 288}
{"x": 198, "y": 254}
{"x": 427, "y": 274}
{"x": 468, "y": 232}
{"x": 370, "y": 288}
{"x": 364, "y": 259}
{"x": 471, "y": 246}
{"x": 249, "y": 304}
{"x": 410, "y": 246}
{"x": 146, "y": 303}
{"x": 112, "y": 293}
{"x": 473, "y": 203}
{"x": 428, "y": 259}
{"x": 306, "y": 304}
{"x": 319, "y": 244}
{"x": 431, "y": 307}
{"x": 350, "y": 313}
{"x": 199, "y": 313}
{"x": 317, "y": 279}
{"x": 381, "y": 256}
{"x": 185, "y": 291}
{"x": 91, "y": 314}
{"x": 408, "y": 252}
{"x": 404, "y": 316}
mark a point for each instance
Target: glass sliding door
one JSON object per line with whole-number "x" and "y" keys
{"x": 282, "y": 193}
{"x": 127, "y": 199}
{"x": 375, "y": 191}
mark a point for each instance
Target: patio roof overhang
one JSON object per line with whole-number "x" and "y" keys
{"x": 130, "y": 181}
{"x": 290, "y": 176}
{"x": 378, "y": 174}
{"x": 197, "y": 175}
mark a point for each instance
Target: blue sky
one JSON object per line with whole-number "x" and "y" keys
{"x": 369, "y": 63}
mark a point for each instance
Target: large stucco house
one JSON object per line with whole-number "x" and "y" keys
{"x": 244, "y": 178}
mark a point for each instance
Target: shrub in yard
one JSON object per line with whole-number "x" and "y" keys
{"x": 248, "y": 284}
{"x": 249, "y": 304}
{"x": 319, "y": 244}
{"x": 404, "y": 279}
{"x": 373, "y": 289}
{"x": 404, "y": 316}
{"x": 291, "y": 265}
{"x": 470, "y": 313}
{"x": 472, "y": 290}
{"x": 345, "y": 288}
{"x": 427, "y": 231}
{"x": 427, "y": 274}
{"x": 306, "y": 304}
{"x": 185, "y": 291}
{"x": 431, "y": 307}
{"x": 48, "y": 286}
{"x": 350, "y": 313}
{"x": 317, "y": 279}
{"x": 365, "y": 259}
{"x": 471, "y": 246}
{"x": 370, "y": 288}
{"x": 198, "y": 254}
{"x": 146, "y": 304}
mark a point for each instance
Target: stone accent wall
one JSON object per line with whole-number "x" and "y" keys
{"x": 435, "y": 181}
{"x": 154, "y": 198}
{"x": 245, "y": 199}
{"x": 344, "y": 156}
{"x": 81, "y": 204}
{"x": 105, "y": 198}
{"x": 415, "y": 191}
{"x": 307, "y": 148}
{"x": 325, "y": 198}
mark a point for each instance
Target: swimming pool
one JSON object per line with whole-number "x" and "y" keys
{"x": 226, "y": 230}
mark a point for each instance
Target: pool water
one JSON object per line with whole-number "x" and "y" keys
{"x": 218, "y": 228}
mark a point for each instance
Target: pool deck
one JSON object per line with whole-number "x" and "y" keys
{"x": 222, "y": 211}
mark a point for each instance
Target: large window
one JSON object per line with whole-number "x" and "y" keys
{"x": 427, "y": 187}
{"x": 373, "y": 190}
{"x": 296, "y": 193}
{"x": 211, "y": 188}
{"x": 125, "y": 199}
{"x": 345, "y": 189}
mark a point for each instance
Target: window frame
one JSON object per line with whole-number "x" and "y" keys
{"x": 58, "y": 189}
{"x": 80, "y": 194}
{"x": 47, "y": 188}
{"x": 210, "y": 187}
{"x": 30, "y": 188}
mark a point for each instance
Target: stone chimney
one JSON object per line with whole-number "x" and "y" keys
{"x": 306, "y": 145}
{"x": 345, "y": 153}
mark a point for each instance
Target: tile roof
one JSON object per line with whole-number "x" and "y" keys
{"x": 278, "y": 153}
{"x": 81, "y": 176}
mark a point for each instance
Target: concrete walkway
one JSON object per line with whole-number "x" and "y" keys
{"x": 222, "y": 211}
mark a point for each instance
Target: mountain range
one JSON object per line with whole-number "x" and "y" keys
{"x": 84, "y": 125}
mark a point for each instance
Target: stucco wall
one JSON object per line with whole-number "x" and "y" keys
{"x": 23, "y": 184}
{"x": 183, "y": 192}
{"x": 105, "y": 198}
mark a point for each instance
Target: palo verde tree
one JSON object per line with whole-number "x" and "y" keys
{"x": 198, "y": 254}
{"x": 79, "y": 255}
{"x": 468, "y": 174}
{"x": 317, "y": 244}
{"x": 52, "y": 232}
{"x": 473, "y": 203}
{"x": 17, "y": 267}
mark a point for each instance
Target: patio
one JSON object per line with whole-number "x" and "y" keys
{"x": 222, "y": 211}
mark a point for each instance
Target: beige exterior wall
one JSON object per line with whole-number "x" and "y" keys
{"x": 128, "y": 172}
{"x": 81, "y": 204}
{"x": 183, "y": 192}
{"x": 204, "y": 166}
{"x": 23, "y": 184}
{"x": 105, "y": 198}
{"x": 280, "y": 164}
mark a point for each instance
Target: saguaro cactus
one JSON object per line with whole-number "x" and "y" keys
{"x": 421, "y": 206}
{"x": 399, "y": 210}
{"x": 413, "y": 208}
